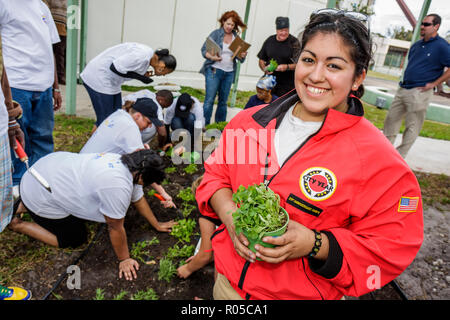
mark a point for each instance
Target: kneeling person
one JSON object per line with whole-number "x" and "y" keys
{"x": 86, "y": 187}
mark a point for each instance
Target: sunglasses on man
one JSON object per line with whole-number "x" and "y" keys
{"x": 426, "y": 24}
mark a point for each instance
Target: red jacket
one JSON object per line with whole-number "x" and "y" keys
{"x": 346, "y": 180}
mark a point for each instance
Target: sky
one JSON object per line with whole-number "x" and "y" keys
{"x": 388, "y": 14}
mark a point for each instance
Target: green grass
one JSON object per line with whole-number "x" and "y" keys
{"x": 430, "y": 129}
{"x": 384, "y": 76}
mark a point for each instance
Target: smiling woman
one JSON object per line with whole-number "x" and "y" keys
{"x": 330, "y": 168}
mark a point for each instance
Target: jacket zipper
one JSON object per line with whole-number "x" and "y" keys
{"x": 266, "y": 183}
{"x": 304, "y": 270}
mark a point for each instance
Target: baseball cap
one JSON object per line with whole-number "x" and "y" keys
{"x": 148, "y": 108}
{"x": 282, "y": 22}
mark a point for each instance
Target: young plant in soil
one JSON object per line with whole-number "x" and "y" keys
{"x": 139, "y": 250}
{"x": 150, "y": 294}
{"x": 166, "y": 270}
{"x": 258, "y": 212}
{"x": 184, "y": 230}
{"x": 190, "y": 169}
{"x": 186, "y": 195}
{"x": 176, "y": 252}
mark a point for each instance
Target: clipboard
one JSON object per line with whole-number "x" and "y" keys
{"x": 238, "y": 45}
{"x": 212, "y": 47}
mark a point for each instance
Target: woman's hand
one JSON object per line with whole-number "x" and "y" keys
{"x": 168, "y": 204}
{"x": 297, "y": 242}
{"x": 128, "y": 268}
{"x": 242, "y": 55}
{"x": 165, "y": 226}
{"x": 241, "y": 243}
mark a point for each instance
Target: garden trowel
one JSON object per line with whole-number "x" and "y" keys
{"x": 20, "y": 152}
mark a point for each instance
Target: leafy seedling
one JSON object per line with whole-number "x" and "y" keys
{"x": 176, "y": 252}
{"x": 140, "y": 249}
{"x": 150, "y": 294}
{"x": 170, "y": 170}
{"x": 186, "y": 195}
{"x": 121, "y": 295}
{"x": 184, "y": 230}
{"x": 166, "y": 270}
{"x": 190, "y": 169}
{"x": 258, "y": 211}
{"x": 273, "y": 65}
{"x": 99, "y": 294}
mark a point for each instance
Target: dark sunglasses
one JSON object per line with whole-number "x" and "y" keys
{"x": 426, "y": 24}
{"x": 355, "y": 15}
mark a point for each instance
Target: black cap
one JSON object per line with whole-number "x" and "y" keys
{"x": 282, "y": 22}
{"x": 183, "y": 106}
{"x": 148, "y": 108}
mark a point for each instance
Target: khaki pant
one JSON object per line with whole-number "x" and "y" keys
{"x": 223, "y": 290}
{"x": 411, "y": 104}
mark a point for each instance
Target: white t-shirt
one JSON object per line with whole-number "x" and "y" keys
{"x": 291, "y": 133}
{"x": 129, "y": 56}
{"x": 148, "y": 133}
{"x": 27, "y": 45}
{"x": 226, "y": 64}
{"x": 197, "y": 110}
{"x": 88, "y": 186}
{"x": 119, "y": 134}
{"x": 5, "y": 17}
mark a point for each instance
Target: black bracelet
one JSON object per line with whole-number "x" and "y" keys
{"x": 317, "y": 243}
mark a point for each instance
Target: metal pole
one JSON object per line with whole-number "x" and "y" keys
{"x": 73, "y": 11}
{"x": 416, "y": 34}
{"x": 238, "y": 66}
{"x": 83, "y": 34}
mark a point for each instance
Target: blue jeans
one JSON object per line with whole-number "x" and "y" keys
{"x": 184, "y": 123}
{"x": 37, "y": 124}
{"x": 104, "y": 104}
{"x": 217, "y": 81}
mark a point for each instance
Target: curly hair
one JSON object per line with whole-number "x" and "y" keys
{"x": 145, "y": 163}
{"x": 239, "y": 25}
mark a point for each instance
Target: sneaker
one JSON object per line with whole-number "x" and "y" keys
{"x": 14, "y": 293}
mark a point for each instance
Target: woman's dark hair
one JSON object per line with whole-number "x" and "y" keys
{"x": 168, "y": 59}
{"x": 352, "y": 31}
{"x": 145, "y": 163}
{"x": 238, "y": 23}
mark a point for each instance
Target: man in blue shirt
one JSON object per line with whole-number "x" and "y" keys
{"x": 426, "y": 62}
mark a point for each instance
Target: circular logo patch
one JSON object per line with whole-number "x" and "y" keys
{"x": 318, "y": 183}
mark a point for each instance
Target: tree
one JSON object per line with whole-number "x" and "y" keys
{"x": 400, "y": 33}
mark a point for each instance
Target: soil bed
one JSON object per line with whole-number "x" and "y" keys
{"x": 426, "y": 278}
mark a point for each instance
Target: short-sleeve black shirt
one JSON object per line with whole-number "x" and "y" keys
{"x": 283, "y": 53}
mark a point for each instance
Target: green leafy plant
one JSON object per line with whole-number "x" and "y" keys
{"x": 186, "y": 195}
{"x": 150, "y": 294}
{"x": 99, "y": 294}
{"x": 139, "y": 250}
{"x": 190, "y": 169}
{"x": 217, "y": 125}
{"x": 258, "y": 211}
{"x": 166, "y": 269}
{"x": 272, "y": 65}
{"x": 170, "y": 169}
{"x": 121, "y": 295}
{"x": 176, "y": 252}
{"x": 187, "y": 209}
{"x": 184, "y": 230}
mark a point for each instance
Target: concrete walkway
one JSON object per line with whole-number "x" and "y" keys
{"x": 426, "y": 155}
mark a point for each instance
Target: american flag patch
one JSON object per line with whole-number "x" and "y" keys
{"x": 408, "y": 204}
